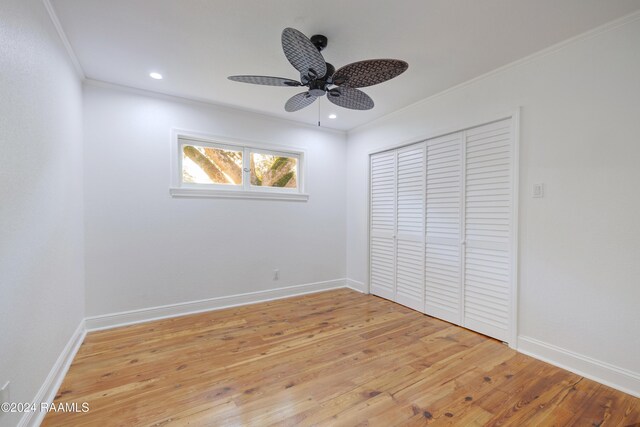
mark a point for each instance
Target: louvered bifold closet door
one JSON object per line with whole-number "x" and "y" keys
{"x": 488, "y": 217}
{"x": 410, "y": 228}
{"x": 443, "y": 268}
{"x": 383, "y": 224}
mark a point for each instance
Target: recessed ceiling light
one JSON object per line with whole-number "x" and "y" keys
{"x": 156, "y": 76}
{"x": 332, "y": 116}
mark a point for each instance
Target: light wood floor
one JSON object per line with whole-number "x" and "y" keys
{"x": 333, "y": 358}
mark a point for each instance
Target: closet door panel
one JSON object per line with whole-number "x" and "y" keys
{"x": 488, "y": 211}
{"x": 410, "y": 228}
{"x": 443, "y": 279}
{"x": 383, "y": 224}
{"x": 382, "y": 267}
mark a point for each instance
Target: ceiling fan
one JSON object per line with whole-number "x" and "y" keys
{"x": 322, "y": 78}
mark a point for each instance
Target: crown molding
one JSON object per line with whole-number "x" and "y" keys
{"x": 207, "y": 103}
{"x": 63, "y": 37}
{"x": 609, "y": 26}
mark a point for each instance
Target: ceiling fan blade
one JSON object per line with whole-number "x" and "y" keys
{"x": 369, "y": 72}
{"x": 299, "y": 101}
{"x": 353, "y": 99}
{"x": 302, "y": 54}
{"x": 265, "y": 80}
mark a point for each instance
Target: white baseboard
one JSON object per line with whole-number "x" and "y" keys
{"x": 108, "y": 321}
{"x": 50, "y": 387}
{"x": 602, "y": 372}
{"x": 356, "y": 286}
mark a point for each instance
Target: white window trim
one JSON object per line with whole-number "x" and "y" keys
{"x": 246, "y": 191}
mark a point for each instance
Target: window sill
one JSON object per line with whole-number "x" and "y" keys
{"x": 234, "y": 194}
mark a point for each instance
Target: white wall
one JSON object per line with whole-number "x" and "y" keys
{"x": 145, "y": 249}
{"x": 41, "y": 214}
{"x": 579, "y": 245}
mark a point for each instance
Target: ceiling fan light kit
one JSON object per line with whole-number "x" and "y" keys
{"x": 321, "y": 78}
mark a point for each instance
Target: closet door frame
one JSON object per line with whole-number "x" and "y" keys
{"x": 514, "y": 115}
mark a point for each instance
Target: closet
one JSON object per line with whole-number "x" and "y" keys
{"x": 442, "y": 215}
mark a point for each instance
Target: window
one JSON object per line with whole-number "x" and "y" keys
{"x": 208, "y": 165}
{"x": 215, "y": 168}
{"x": 273, "y": 170}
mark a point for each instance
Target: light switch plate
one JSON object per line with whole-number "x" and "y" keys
{"x": 538, "y": 190}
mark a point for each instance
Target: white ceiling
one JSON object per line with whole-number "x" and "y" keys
{"x": 196, "y": 44}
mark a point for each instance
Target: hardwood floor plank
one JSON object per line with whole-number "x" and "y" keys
{"x": 331, "y": 358}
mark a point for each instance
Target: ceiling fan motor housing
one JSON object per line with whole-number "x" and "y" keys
{"x": 317, "y": 87}
{"x": 311, "y": 75}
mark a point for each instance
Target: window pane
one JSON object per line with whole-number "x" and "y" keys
{"x": 268, "y": 170}
{"x": 206, "y": 165}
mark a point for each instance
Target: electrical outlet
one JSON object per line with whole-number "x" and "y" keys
{"x": 4, "y": 393}
{"x": 276, "y": 274}
{"x": 538, "y": 191}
